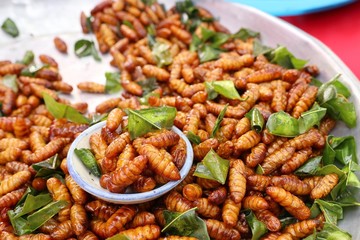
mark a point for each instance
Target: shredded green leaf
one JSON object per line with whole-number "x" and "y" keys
{"x": 218, "y": 121}
{"x": 257, "y": 227}
{"x": 245, "y": 33}
{"x": 193, "y": 138}
{"x": 151, "y": 119}
{"x": 256, "y": 119}
{"x": 185, "y": 224}
{"x": 10, "y": 82}
{"x": 112, "y": 84}
{"x": 28, "y": 58}
{"x": 213, "y": 167}
{"x": 10, "y": 27}
{"x": 59, "y": 110}
{"x": 161, "y": 52}
{"x": 83, "y": 48}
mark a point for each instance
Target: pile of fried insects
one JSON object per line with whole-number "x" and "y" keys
{"x": 265, "y": 166}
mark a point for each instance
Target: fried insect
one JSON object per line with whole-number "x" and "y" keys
{"x": 247, "y": 140}
{"x": 60, "y": 45}
{"x": 206, "y": 209}
{"x": 292, "y": 184}
{"x": 237, "y": 181}
{"x": 230, "y": 212}
{"x": 100, "y": 209}
{"x": 49, "y": 150}
{"x": 203, "y": 148}
{"x": 294, "y": 205}
{"x": 295, "y": 93}
{"x": 10, "y": 154}
{"x": 128, "y": 174}
{"x": 159, "y": 73}
{"x": 163, "y": 139}
{"x": 218, "y": 230}
{"x": 91, "y": 87}
{"x": 143, "y": 218}
{"x": 98, "y": 145}
{"x": 298, "y": 159}
{"x": 78, "y": 217}
{"x": 276, "y": 159}
{"x": 77, "y": 193}
{"x": 10, "y": 199}
{"x": 302, "y": 229}
{"x": 192, "y": 191}
{"x": 254, "y": 203}
{"x": 178, "y": 152}
{"x": 174, "y": 201}
{"x": 305, "y": 102}
{"x": 59, "y": 191}
{"x": 144, "y": 184}
{"x": 256, "y": 156}
{"x": 271, "y": 221}
{"x": 14, "y": 182}
{"x": 161, "y": 166}
{"x": 62, "y": 231}
{"x": 324, "y": 186}
{"x": 143, "y": 232}
{"x": 117, "y": 145}
{"x": 192, "y": 122}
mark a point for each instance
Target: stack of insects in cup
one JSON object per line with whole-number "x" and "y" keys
{"x": 29, "y": 134}
{"x": 263, "y": 85}
{"x": 143, "y": 163}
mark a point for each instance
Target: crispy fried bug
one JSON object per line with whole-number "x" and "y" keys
{"x": 129, "y": 173}
{"x": 88, "y": 235}
{"x": 126, "y": 156}
{"x": 285, "y": 236}
{"x": 91, "y": 87}
{"x": 247, "y": 140}
{"x": 192, "y": 121}
{"x": 271, "y": 236}
{"x": 279, "y": 99}
{"x": 292, "y": 184}
{"x": 40, "y": 120}
{"x": 10, "y": 199}
{"x": 100, "y": 209}
{"x": 263, "y": 75}
{"x": 107, "y": 105}
{"x": 218, "y": 230}
{"x": 256, "y": 156}
{"x": 143, "y": 232}
{"x": 46, "y": 59}
{"x": 207, "y": 209}
{"x": 324, "y": 186}
{"x": 159, "y": 73}
{"x": 225, "y": 149}
{"x": 78, "y": 217}
{"x": 161, "y": 166}
{"x": 60, "y": 45}
{"x": 118, "y": 145}
{"x": 271, "y": 221}
{"x": 163, "y": 138}
{"x": 63, "y": 231}
{"x": 276, "y": 159}
{"x": 242, "y": 126}
{"x": 218, "y": 195}
{"x": 312, "y": 181}
{"x": 174, "y": 201}
{"x": 230, "y": 212}
{"x": 203, "y": 148}
{"x": 98, "y": 145}
{"x": 254, "y": 203}
{"x": 62, "y": 87}
{"x": 14, "y": 182}
{"x": 298, "y": 159}
{"x": 294, "y": 205}
{"x": 326, "y": 125}
{"x": 59, "y": 191}
{"x": 143, "y": 218}
{"x": 38, "y": 236}
{"x": 234, "y": 63}
{"x": 295, "y": 93}
{"x": 237, "y": 181}
{"x": 15, "y": 166}
{"x": 11, "y": 68}
{"x": 192, "y": 191}
{"x": 10, "y": 154}
{"x": 302, "y": 229}
{"x": 305, "y": 102}
{"x": 171, "y": 237}
{"x": 307, "y": 139}
{"x": 8, "y": 103}
{"x": 118, "y": 220}
{"x": 143, "y": 184}
{"x": 48, "y": 150}
{"x": 178, "y": 152}
{"x": 77, "y": 193}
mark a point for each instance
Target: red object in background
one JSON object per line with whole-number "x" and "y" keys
{"x": 339, "y": 29}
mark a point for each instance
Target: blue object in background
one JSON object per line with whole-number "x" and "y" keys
{"x": 293, "y": 7}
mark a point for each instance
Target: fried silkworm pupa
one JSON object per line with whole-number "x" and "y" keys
{"x": 143, "y": 218}
{"x": 78, "y": 217}
{"x": 192, "y": 191}
{"x": 271, "y": 221}
{"x": 302, "y": 229}
{"x": 14, "y": 182}
{"x": 324, "y": 186}
{"x": 219, "y": 230}
{"x": 206, "y": 209}
{"x": 91, "y": 87}
{"x": 174, "y": 201}
{"x": 62, "y": 231}
{"x": 230, "y": 212}
{"x": 60, "y": 45}
{"x": 254, "y": 203}
{"x": 59, "y": 191}
{"x": 292, "y": 184}
{"x": 237, "y": 181}
{"x": 143, "y": 232}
